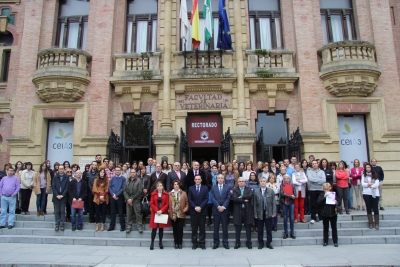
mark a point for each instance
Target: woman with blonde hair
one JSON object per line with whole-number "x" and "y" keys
{"x": 328, "y": 213}
{"x": 356, "y": 173}
{"x": 288, "y": 194}
{"x": 159, "y": 203}
{"x": 276, "y": 187}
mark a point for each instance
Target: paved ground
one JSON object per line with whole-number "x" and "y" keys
{"x": 100, "y": 256}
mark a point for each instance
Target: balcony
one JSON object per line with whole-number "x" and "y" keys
{"x": 207, "y": 70}
{"x": 136, "y": 74}
{"x": 270, "y": 71}
{"x": 349, "y": 68}
{"x": 62, "y": 74}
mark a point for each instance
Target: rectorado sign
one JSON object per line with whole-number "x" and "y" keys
{"x": 204, "y": 130}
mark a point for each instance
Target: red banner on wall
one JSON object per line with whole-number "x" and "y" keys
{"x": 204, "y": 130}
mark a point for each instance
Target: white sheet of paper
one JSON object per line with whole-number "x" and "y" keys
{"x": 330, "y": 198}
{"x": 162, "y": 218}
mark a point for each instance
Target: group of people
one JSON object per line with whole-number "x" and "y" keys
{"x": 253, "y": 194}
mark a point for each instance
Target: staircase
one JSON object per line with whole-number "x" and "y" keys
{"x": 352, "y": 229}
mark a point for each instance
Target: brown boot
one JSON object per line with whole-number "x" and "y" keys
{"x": 38, "y": 213}
{"x": 376, "y": 218}
{"x": 370, "y": 221}
{"x": 102, "y": 227}
{"x": 42, "y": 213}
{"x": 97, "y": 227}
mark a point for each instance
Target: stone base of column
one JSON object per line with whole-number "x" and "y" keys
{"x": 243, "y": 142}
{"x": 165, "y": 142}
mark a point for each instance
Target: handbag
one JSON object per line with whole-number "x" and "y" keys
{"x": 78, "y": 204}
{"x": 145, "y": 206}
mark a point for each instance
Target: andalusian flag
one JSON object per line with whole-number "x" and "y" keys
{"x": 209, "y": 22}
{"x": 195, "y": 22}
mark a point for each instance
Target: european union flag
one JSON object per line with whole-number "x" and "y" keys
{"x": 224, "y": 31}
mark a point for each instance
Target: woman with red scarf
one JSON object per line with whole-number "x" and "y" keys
{"x": 288, "y": 195}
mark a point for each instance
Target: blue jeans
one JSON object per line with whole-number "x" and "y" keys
{"x": 7, "y": 203}
{"x": 41, "y": 200}
{"x": 73, "y": 217}
{"x": 350, "y": 197}
{"x": 288, "y": 209}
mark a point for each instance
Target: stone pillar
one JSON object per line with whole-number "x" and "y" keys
{"x": 243, "y": 138}
{"x": 165, "y": 138}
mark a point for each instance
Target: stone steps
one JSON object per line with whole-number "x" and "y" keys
{"x": 352, "y": 229}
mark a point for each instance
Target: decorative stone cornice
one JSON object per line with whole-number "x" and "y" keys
{"x": 62, "y": 74}
{"x": 185, "y": 85}
{"x": 349, "y": 68}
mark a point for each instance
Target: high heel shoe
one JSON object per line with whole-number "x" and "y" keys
{"x": 152, "y": 246}
{"x": 161, "y": 245}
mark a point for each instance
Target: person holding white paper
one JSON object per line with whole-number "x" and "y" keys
{"x": 159, "y": 203}
{"x": 328, "y": 213}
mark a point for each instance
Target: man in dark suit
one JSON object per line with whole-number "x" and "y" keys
{"x": 220, "y": 196}
{"x": 192, "y": 173}
{"x": 243, "y": 212}
{"x": 77, "y": 191}
{"x": 176, "y": 174}
{"x": 198, "y": 198}
{"x": 158, "y": 175}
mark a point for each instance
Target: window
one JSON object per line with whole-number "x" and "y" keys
{"x": 6, "y": 40}
{"x": 10, "y": 17}
{"x": 337, "y": 20}
{"x": 214, "y": 39}
{"x": 141, "y": 27}
{"x": 265, "y": 24}
{"x": 73, "y": 23}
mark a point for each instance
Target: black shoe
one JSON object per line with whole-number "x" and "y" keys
{"x": 317, "y": 219}
{"x": 260, "y": 246}
{"x": 381, "y": 208}
{"x": 180, "y": 246}
{"x": 325, "y": 244}
{"x": 10, "y": 226}
{"x": 85, "y": 213}
{"x": 335, "y": 244}
{"x": 176, "y": 246}
{"x": 215, "y": 246}
{"x": 269, "y": 246}
{"x": 237, "y": 246}
{"x": 203, "y": 247}
{"x": 1, "y": 227}
{"x": 293, "y": 236}
{"x": 249, "y": 247}
{"x": 110, "y": 229}
{"x": 92, "y": 221}
{"x": 80, "y": 228}
{"x": 209, "y": 222}
{"x": 285, "y": 236}
{"x": 226, "y": 246}
{"x": 161, "y": 245}
{"x": 194, "y": 246}
{"x": 122, "y": 229}
{"x": 151, "y": 245}
{"x": 57, "y": 228}
{"x": 274, "y": 229}
{"x": 62, "y": 228}
{"x": 73, "y": 228}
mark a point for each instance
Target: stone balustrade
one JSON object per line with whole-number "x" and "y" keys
{"x": 349, "y": 68}
{"x": 62, "y": 74}
{"x": 277, "y": 61}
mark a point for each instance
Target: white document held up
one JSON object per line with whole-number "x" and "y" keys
{"x": 162, "y": 218}
{"x": 330, "y": 198}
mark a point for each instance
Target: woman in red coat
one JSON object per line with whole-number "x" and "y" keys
{"x": 159, "y": 202}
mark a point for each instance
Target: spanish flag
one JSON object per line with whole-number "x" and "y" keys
{"x": 195, "y": 22}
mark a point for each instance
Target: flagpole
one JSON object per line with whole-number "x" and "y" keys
{"x": 184, "y": 55}
{"x": 209, "y": 55}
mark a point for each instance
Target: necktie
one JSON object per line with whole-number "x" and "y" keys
{"x": 241, "y": 193}
{"x": 198, "y": 190}
{"x": 178, "y": 174}
{"x": 220, "y": 189}
{"x": 195, "y": 173}
{"x": 150, "y": 168}
{"x": 264, "y": 203}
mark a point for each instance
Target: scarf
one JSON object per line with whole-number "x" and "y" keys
{"x": 176, "y": 204}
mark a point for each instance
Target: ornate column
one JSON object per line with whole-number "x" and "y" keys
{"x": 243, "y": 138}
{"x": 165, "y": 138}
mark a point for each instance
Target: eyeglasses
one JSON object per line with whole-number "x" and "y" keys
{"x": 69, "y": 172}
{"x": 241, "y": 181}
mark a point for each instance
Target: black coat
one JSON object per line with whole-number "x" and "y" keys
{"x": 189, "y": 180}
{"x": 172, "y": 176}
{"x": 60, "y": 187}
{"x": 326, "y": 210}
{"x": 238, "y": 200}
{"x": 72, "y": 193}
{"x": 198, "y": 200}
{"x": 328, "y": 175}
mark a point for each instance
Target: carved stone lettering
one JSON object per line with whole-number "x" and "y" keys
{"x": 203, "y": 101}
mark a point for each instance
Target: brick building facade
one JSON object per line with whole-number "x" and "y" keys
{"x": 107, "y": 64}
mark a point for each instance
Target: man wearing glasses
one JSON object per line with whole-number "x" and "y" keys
{"x": 174, "y": 175}
{"x": 243, "y": 212}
